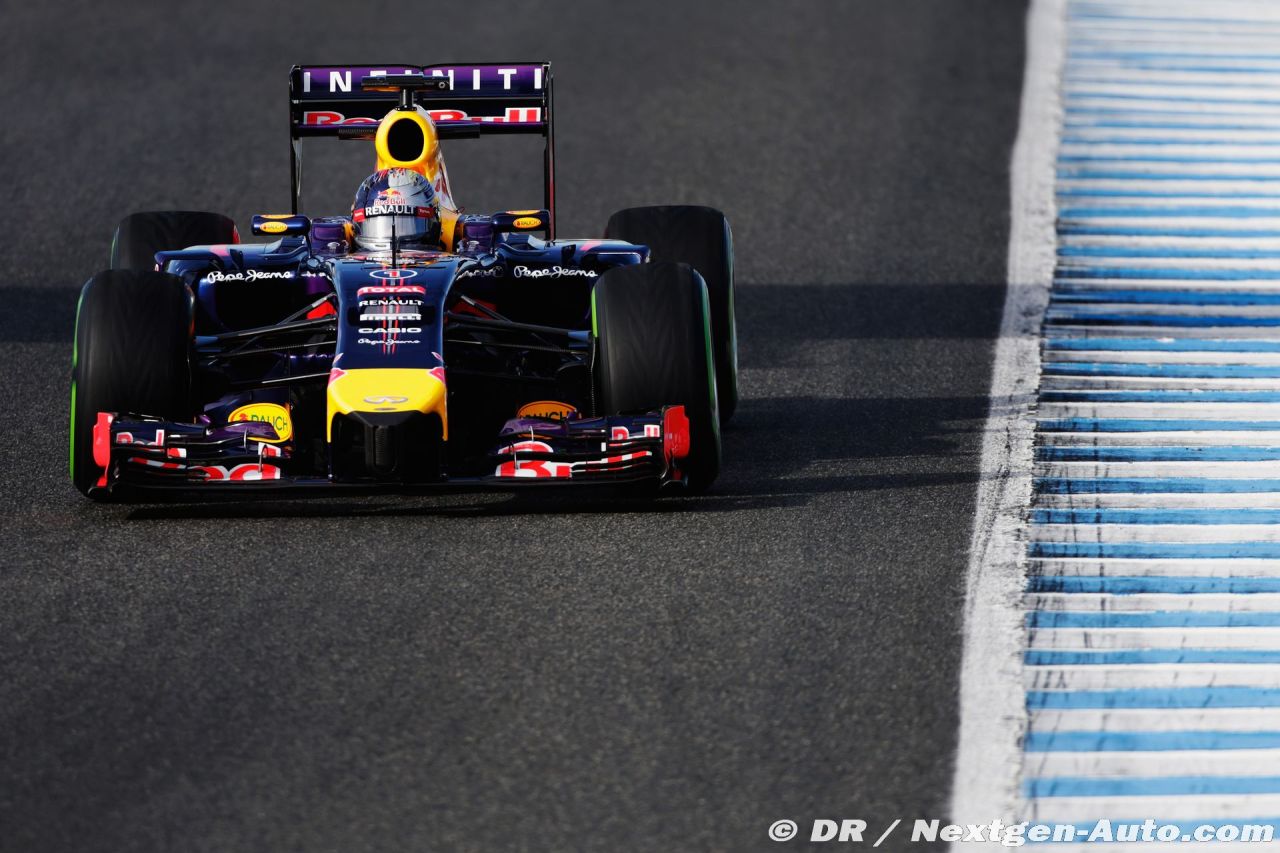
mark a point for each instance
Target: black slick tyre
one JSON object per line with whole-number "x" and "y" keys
{"x": 701, "y": 238}
{"x": 141, "y": 235}
{"x": 132, "y": 354}
{"x": 653, "y": 348}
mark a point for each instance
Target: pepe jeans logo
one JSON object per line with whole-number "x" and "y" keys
{"x": 386, "y": 400}
{"x": 553, "y": 272}
{"x": 247, "y": 275}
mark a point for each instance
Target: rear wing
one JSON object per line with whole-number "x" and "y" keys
{"x": 473, "y": 100}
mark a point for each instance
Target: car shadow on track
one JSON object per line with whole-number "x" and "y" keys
{"x": 779, "y": 453}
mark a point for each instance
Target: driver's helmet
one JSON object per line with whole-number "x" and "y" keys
{"x": 399, "y": 202}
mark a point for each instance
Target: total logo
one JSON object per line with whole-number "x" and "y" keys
{"x": 395, "y": 274}
{"x": 392, "y": 288}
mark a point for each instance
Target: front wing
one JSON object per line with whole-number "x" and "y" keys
{"x": 139, "y": 452}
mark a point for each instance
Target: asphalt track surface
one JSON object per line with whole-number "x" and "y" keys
{"x": 492, "y": 674}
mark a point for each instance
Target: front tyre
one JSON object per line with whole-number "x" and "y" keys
{"x": 132, "y": 354}
{"x": 701, "y": 238}
{"x": 652, "y": 331}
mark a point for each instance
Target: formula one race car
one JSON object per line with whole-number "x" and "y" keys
{"x": 408, "y": 344}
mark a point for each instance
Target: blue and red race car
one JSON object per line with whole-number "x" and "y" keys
{"x": 464, "y": 350}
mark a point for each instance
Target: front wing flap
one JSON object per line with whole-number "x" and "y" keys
{"x": 588, "y": 448}
{"x": 142, "y": 450}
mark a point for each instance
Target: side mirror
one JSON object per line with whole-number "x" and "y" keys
{"x": 281, "y": 225}
{"x": 522, "y": 222}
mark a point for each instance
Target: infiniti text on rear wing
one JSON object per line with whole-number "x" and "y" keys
{"x": 477, "y": 99}
{"x": 474, "y": 99}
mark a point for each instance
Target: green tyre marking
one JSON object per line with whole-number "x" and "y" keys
{"x": 75, "y": 363}
{"x": 711, "y": 361}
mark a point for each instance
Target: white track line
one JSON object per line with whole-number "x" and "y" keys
{"x": 1171, "y": 438}
{"x": 1186, "y": 209}
{"x": 1097, "y": 677}
{"x": 1142, "y": 191}
{"x": 992, "y": 705}
{"x": 1259, "y": 359}
{"x": 1211, "y": 138}
{"x": 1245, "y": 333}
{"x": 1220, "y": 500}
{"x": 1107, "y": 639}
{"x": 1155, "y": 532}
{"x": 1159, "y": 91}
{"x": 1152, "y": 383}
{"x": 1228, "y": 470}
{"x": 1121, "y": 241}
{"x": 1180, "y": 110}
{"x": 1100, "y": 602}
{"x": 1085, "y": 310}
{"x": 1101, "y": 73}
{"x": 1145, "y": 720}
{"x": 1077, "y": 120}
{"x": 1132, "y": 74}
{"x": 1207, "y": 762}
{"x": 1197, "y": 411}
{"x": 1173, "y": 286}
{"x": 1215, "y": 149}
{"x": 1207, "y": 567}
{"x": 1262, "y": 267}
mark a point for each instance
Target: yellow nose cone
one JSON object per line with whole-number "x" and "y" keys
{"x": 387, "y": 390}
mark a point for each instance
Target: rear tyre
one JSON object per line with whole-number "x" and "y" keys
{"x": 141, "y": 235}
{"x": 132, "y": 354}
{"x": 653, "y": 349}
{"x": 701, "y": 238}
